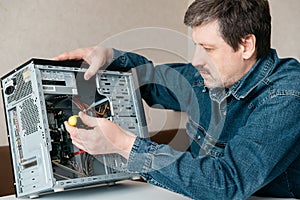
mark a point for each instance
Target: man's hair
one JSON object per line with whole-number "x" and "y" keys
{"x": 236, "y": 19}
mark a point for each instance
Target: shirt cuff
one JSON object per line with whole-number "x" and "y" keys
{"x": 141, "y": 155}
{"x": 118, "y": 58}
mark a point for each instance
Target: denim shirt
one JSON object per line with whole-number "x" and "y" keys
{"x": 244, "y": 140}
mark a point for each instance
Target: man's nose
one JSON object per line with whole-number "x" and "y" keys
{"x": 199, "y": 56}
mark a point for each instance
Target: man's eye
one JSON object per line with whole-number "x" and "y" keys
{"x": 207, "y": 49}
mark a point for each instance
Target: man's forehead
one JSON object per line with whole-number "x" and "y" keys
{"x": 207, "y": 33}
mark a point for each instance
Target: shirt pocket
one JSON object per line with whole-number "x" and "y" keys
{"x": 208, "y": 145}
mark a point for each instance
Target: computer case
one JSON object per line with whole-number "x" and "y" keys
{"x": 38, "y": 97}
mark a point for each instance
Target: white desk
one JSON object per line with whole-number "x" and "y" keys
{"x": 132, "y": 190}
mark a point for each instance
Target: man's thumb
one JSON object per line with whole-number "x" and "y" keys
{"x": 88, "y": 120}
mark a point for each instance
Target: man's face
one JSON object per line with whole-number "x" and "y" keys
{"x": 217, "y": 62}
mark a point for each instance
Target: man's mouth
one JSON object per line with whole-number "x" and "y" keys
{"x": 204, "y": 73}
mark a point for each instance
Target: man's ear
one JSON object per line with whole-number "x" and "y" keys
{"x": 249, "y": 49}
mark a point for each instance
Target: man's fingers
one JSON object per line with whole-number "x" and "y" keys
{"x": 71, "y": 129}
{"x": 88, "y": 120}
{"x": 95, "y": 64}
{"x": 76, "y": 133}
{"x": 91, "y": 71}
{"x": 77, "y": 54}
{"x": 79, "y": 145}
{"x": 96, "y": 57}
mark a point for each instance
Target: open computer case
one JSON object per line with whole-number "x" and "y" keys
{"x": 38, "y": 97}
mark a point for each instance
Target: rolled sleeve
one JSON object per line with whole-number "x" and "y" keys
{"x": 141, "y": 155}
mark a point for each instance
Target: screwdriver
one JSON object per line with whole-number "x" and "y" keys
{"x": 94, "y": 104}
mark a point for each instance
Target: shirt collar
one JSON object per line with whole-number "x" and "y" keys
{"x": 255, "y": 76}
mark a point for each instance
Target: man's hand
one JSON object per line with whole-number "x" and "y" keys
{"x": 97, "y": 57}
{"x": 104, "y": 137}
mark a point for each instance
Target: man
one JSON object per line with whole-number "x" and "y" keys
{"x": 242, "y": 101}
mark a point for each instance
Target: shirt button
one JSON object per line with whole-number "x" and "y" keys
{"x": 198, "y": 137}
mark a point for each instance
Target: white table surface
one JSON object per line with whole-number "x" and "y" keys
{"x": 132, "y": 190}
